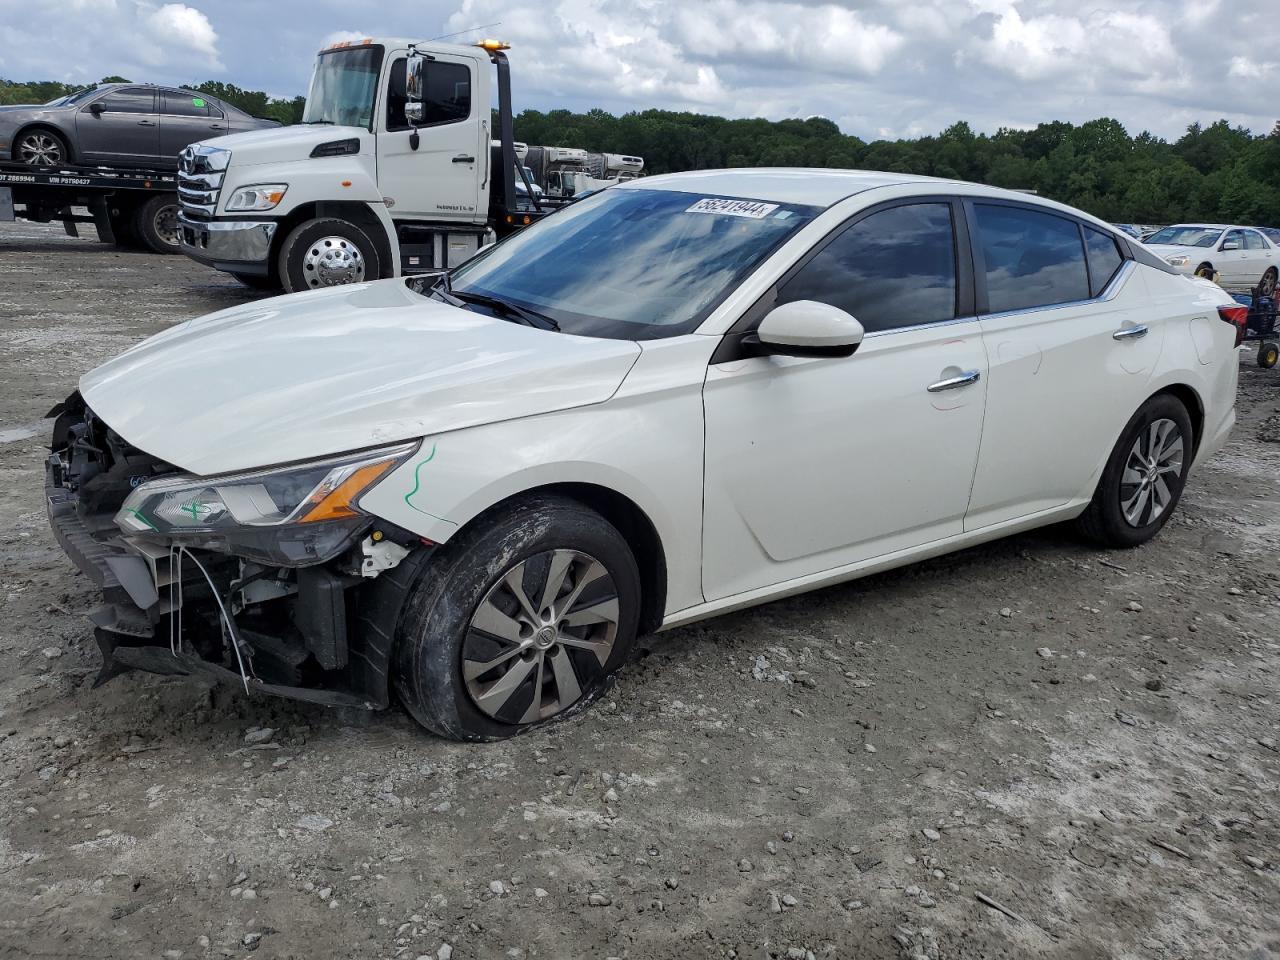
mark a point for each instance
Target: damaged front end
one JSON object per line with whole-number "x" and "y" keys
{"x": 273, "y": 579}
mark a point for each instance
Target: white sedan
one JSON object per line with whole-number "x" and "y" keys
{"x": 1239, "y": 258}
{"x": 685, "y": 395}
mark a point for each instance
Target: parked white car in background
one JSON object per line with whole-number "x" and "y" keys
{"x": 681, "y": 396}
{"x": 1239, "y": 258}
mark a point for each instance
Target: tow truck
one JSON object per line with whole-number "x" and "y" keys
{"x": 393, "y": 170}
{"x": 125, "y": 206}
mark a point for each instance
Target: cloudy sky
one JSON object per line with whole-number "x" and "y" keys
{"x": 879, "y": 68}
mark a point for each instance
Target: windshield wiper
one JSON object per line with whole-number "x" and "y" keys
{"x": 513, "y": 310}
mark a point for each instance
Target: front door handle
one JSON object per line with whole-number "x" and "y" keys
{"x": 146, "y": 123}
{"x": 954, "y": 383}
{"x": 1129, "y": 333}
{"x": 215, "y": 126}
{"x": 462, "y": 158}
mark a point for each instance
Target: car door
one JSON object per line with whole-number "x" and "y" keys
{"x": 186, "y": 117}
{"x": 1071, "y": 343}
{"x": 1230, "y": 259}
{"x": 818, "y": 463}
{"x": 120, "y": 128}
{"x": 1258, "y": 259}
{"x": 440, "y": 178}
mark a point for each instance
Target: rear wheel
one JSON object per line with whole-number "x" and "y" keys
{"x": 156, "y": 224}
{"x": 41, "y": 148}
{"x": 327, "y": 253}
{"x": 1267, "y": 287}
{"x": 1143, "y": 479}
{"x": 1268, "y": 355}
{"x": 520, "y": 620}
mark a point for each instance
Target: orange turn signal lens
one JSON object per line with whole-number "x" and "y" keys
{"x": 336, "y": 503}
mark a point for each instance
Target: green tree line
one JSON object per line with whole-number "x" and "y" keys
{"x": 1216, "y": 172}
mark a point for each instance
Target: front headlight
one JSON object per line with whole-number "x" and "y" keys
{"x": 263, "y": 196}
{"x": 296, "y": 516}
{"x": 1178, "y": 261}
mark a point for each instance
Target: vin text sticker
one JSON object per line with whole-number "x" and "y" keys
{"x": 752, "y": 209}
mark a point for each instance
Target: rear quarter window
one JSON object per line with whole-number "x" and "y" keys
{"x": 1104, "y": 259}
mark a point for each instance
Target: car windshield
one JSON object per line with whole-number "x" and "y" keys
{"x": 632, "y": 264}
{"x": 344, "y": 86}
{"x": 1186, "y": 236}
{"x": 71, "y": 98}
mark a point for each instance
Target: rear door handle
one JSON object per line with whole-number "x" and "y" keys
{"x": 464, "y": 159}
{"x": 954, "y": 383}
{"x": 146, "y": 123}
{"x": 1129, "y": 333}
{"x": 215, "y": 126}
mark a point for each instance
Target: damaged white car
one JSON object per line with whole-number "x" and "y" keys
{"x": 678, "y": 397}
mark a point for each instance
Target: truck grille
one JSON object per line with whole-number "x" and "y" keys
{"x": 200, "y": 173}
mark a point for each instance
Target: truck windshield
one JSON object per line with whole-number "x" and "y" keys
{"x": 344, "y": 87}
{"x": 632, "y": 264}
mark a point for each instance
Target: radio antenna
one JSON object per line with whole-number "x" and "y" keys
{"x": 483, "y": 26}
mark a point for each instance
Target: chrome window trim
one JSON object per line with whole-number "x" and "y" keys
{"x": 921, "y": 326}
{"x": 1110, "y": 292}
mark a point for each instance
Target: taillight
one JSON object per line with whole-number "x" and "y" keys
{"x": 1238, "y": 316}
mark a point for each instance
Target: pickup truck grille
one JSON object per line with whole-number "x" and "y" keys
{"x": 200, "y": 173}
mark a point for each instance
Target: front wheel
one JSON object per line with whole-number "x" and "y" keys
{"x": 1143, "y": 479}
{"x": 326, "y": 253}
{"x": 41, "y": 149}
{"x": 520, "y": 620}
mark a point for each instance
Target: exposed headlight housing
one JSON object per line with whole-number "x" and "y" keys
{"x": 255, "y": 199}
{"x": 293, "y": 516}
{"x": 1178, "y": 261}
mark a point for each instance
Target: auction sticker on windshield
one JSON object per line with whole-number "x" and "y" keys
{"x": 752, "y": 209}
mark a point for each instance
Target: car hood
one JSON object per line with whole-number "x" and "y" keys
{"x": 276, "y": 143}
{"x": 1178, "y": 250}
{"x": 320, "y": 373}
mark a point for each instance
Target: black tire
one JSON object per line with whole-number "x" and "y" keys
{"x": 156, "y": 223}
{"x": 314, "y": 238}
{"x": 41, "y": 159}
{"x": 1104, "y": 521}
{"x": 1268, "y": 355}
{"x": 436, "y": 622}
{"x": 1267, "y": 286}
{"x": 255, "y": 282}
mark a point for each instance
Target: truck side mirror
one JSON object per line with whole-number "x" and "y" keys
{"x": 415, "y": 88}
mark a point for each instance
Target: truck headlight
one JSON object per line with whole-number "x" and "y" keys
{"x": 1178, "y": 261}
{"x": 293, "y": 516}
{"x": 262, "y": 196}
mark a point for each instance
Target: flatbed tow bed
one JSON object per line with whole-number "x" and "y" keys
{"x": 126, "y": 205}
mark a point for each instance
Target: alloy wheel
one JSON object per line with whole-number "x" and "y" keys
{"x": 1268, "y": 286}
{"x": 331, "y": 261}
{"x": 38, "y": 149}
{"x": 541, "y": 637}
{"x": 1154, "y": 461}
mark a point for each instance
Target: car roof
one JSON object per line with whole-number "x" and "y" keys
{"x": 1204, "y": 226}
{"x": 813, "y": 186}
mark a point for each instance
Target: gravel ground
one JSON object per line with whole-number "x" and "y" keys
{"x": 1087, "y": 739}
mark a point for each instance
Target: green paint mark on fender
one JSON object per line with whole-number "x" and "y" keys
{"x": 417, "y": 485}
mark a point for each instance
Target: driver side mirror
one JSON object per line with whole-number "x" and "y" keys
{"x": 807, "y": 328}
{"x": 96, "y": 108}
{"x": 415, "y": 88}
{"x": 1230, "y": 245}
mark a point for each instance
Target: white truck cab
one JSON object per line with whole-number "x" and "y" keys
{"x": 391, "y": 170}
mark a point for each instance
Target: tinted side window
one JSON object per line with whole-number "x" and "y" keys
{"x": 448, "y": 92}
{"x": 130, "y": 100}
{"x": 1104, "y": 259}
{"x": 1033, "y": 259}
{"x": 179, "y": 104}
{"x": 1236, "y": 237}
{"x": 895, "y": 268}
{"x": 396, "y": 95}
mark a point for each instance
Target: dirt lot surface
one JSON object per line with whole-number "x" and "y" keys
{"x": 1087, "y": 739}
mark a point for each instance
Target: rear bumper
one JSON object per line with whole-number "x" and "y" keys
{"x": 236, "y": 246}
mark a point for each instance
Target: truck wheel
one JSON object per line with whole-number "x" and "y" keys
{"x": 327, "y": 253}
{"x": 156, "y": 223}
{"x": 521, "y": 619}
{"x": 41, "y": 148}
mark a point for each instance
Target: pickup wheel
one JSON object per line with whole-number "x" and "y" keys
{"x": 326, "y": 253}
{"x": 1143, "y": 478}
{"x": 156, "y": 224}
{"x": 521, "y": 619}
